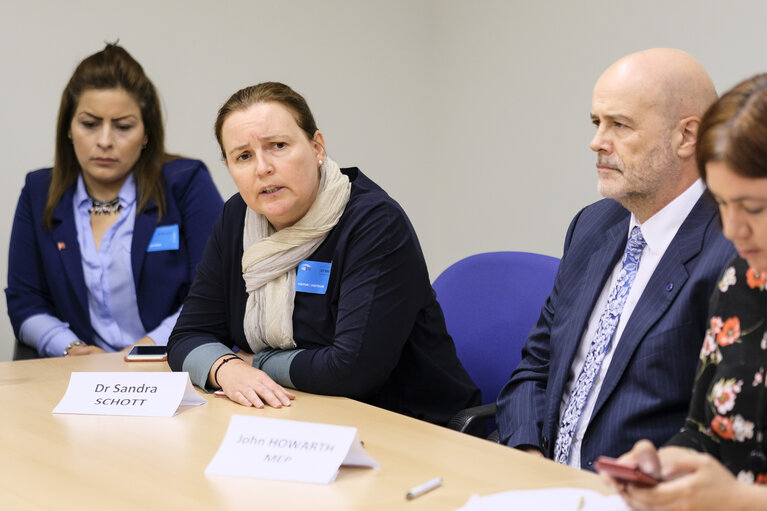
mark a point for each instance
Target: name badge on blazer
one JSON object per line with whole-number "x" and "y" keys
{"x": 165, "y": 237}
{"x": 312, "y": 277}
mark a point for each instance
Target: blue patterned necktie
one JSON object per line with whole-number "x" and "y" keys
{"x": 599, "y": 345}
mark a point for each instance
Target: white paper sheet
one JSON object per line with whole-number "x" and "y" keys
{"x": 547, "y": 499}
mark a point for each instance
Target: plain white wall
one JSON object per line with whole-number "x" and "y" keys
{"x": 472, "y": 114}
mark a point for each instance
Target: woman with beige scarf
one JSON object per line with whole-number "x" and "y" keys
{"x": 313, "y": 279}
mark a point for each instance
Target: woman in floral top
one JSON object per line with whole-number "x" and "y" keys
{"x": 727, "y": 414}
{"x": 719, "y": 458}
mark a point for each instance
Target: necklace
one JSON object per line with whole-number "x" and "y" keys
{"x": 99, "y": 207}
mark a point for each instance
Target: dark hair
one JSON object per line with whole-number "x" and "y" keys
{"x": 264, "y": 93}
{"x": 734, "y": 130}
{"x": 111, "y": 68}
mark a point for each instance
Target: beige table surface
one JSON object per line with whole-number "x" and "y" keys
{"x": 58, "y": 462}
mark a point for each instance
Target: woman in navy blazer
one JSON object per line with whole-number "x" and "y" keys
{"x": 105, "y": 244}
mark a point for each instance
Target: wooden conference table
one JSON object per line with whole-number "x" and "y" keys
{"x": 83, "y": 462}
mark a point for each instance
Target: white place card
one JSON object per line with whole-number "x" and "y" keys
{"x": 286, "y": 450}
{"x": 151, "y": 394}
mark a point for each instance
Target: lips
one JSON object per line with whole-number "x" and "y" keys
{"x": 268, "y": 190}
{"x": 104, "y": 161}
{"x": 747, "y": 252}
{"x": 604, "y": 164}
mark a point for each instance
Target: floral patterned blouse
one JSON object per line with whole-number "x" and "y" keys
{"x": 728, "y": 412}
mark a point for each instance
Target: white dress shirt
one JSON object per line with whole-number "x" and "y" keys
{"x": 658, "y": 231}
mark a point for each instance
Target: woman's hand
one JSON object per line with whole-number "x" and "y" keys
{"x": 89, "y": 349}
{"x": 247, "y": 385}
{"x": 644, "y": 456}
{"x": 246, "y": 357}
{"x": 690, "y": 480}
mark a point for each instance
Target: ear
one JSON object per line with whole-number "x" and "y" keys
{"x": 686, "y": 135}
{"x": 318, "y": 142}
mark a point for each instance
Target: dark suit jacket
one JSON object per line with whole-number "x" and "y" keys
{"x": 647, "y": 388}
{"x": 45, "y": 273}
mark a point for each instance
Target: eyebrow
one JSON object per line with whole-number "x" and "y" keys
{"x": 624, "y": 119}
{"x": 743, "y": 199}
{"x": 238, "y": 148}
{"x": 264, "y": 139}
{"x": 124, "y": 117}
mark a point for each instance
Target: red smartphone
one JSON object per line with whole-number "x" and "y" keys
{"x": 147, "y": 353}
{"x": 624, "y": 473}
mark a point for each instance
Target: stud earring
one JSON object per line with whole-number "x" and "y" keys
{"x": 320, "y": 162}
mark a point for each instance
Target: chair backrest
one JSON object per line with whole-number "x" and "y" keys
{"x": 491, "y": 301}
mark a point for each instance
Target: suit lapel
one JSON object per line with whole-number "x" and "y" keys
{"x": 143, "y": 229}
{"x": 663, "y": 287}
{"x": 597, "y": 271}
{"x": 64, "y": 236}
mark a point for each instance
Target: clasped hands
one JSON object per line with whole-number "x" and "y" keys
{"x": 90, "y": 349}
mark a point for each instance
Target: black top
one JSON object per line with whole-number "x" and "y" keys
{"x": 728, "y": 412}
{"x": 377, "y": 334}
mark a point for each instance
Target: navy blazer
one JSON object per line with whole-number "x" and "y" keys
{"x": 647, "y": 388}
{"x": 45, "y": 273}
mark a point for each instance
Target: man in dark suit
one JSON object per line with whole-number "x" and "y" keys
{"x": 612, "y": 358}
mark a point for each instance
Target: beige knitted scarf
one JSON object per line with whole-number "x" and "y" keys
{"x": 269, "y": 262}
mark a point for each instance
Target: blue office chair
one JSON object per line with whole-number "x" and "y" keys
{"x": 491, "y": 301}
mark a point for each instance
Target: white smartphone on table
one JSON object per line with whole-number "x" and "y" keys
{"x": 147, "y": 353}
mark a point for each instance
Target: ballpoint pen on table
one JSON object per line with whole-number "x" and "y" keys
{"x": 419, "y": 490}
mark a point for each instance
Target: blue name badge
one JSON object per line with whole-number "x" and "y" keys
{"x": 165, "y": 237}
{"x": 312, "y": 277}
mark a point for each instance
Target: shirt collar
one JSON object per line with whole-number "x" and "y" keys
{"x": 660, "y": 229}
{"x": 127, "y": 192}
